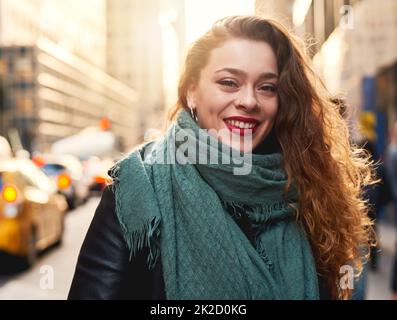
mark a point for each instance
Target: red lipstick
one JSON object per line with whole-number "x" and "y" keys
{"x": 241, "y": 131}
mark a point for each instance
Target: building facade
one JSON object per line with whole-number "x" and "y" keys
{"x": 134, "y": 54}
{"x": 77, "y": 26}
{"x": 52, "y": 73}
{"x": 50, "y": 94}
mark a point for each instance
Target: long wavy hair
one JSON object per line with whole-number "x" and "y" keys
{"x": 328, "y": 171}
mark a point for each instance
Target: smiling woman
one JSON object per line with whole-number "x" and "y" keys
{"x": 197, "y": 230}
{"x": 237, "y": 90}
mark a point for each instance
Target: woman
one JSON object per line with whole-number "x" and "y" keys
{"x": 280, "y": 228}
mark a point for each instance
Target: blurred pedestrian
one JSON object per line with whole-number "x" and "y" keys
{"x": 189, "y": 229}
{"x": 378, "y": 195}
{"x": 391, "y": 166}
{"x": 360, "y": 283}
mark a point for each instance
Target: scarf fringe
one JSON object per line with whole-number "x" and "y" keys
{"x": 146, "y": 236}
{"x": 263, "y": 254}
{"x": 260, "y": 214}
{"x": 256, "y": 213}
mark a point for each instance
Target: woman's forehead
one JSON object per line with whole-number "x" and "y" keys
{"x": 248, "y": 56}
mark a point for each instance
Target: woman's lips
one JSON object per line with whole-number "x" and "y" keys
{"x": 241, "y": 131}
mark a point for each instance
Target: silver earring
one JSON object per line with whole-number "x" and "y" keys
{"x": 193, "y": 112}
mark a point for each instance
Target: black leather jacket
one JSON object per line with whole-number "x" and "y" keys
{"x": 104, "y": 270}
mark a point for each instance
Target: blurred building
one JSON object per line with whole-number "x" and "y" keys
{"x": 77, "y": 26}
{"x": 52, "y": 73}
{"x": 314, "y": 20}
{"x": 359, "y": 59}
{"x": 173, "y": 22}
{"x": 50, "y": 94}
{"x": 134, "y": 54}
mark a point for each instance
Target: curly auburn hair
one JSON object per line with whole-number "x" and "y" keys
{"x": 327, "y": 169}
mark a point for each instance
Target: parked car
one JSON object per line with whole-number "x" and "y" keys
{"x": 67, "y": 173}
{"x": 31, "y": 211}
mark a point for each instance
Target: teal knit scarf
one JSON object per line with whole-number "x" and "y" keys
{"x": 178, "y": 211}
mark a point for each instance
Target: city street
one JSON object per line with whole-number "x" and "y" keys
{"x": 62, "y": 260}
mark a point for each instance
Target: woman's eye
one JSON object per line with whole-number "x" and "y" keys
{"x": 268, "y": 88}
{"x": 228, "y": 83}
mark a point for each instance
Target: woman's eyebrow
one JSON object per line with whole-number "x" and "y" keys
{"x": 238, "y": 72}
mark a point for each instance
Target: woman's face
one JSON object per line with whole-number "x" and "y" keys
{"x": 236, "y": 93}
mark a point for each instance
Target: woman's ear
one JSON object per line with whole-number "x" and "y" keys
{"x": 190, "y": 96}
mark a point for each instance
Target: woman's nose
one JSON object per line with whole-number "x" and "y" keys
{"x": 247, "y": 100}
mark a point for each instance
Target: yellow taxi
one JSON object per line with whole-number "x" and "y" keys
{"x": 31, "y": 211}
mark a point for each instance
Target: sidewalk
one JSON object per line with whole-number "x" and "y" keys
{"x": 378, "y": 287}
